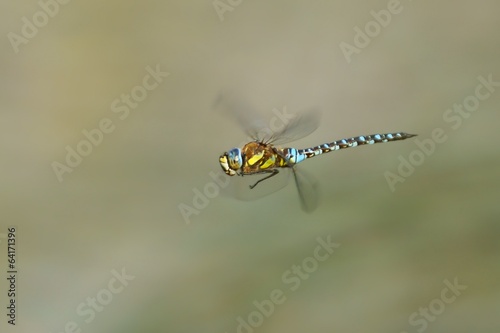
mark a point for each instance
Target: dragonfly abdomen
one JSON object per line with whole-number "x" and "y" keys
{"x": 298, "y": 155}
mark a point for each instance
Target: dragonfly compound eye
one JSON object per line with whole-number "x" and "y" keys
{"x": 231, "y": 161}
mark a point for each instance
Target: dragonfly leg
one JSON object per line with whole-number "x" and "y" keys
{"x": 272, "y": 172}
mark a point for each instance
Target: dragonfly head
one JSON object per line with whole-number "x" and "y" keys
{"x": 231, "y": 161}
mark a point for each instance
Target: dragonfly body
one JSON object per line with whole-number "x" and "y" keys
{"x": 259, "y": 157}
{"x": 263, "y": 156}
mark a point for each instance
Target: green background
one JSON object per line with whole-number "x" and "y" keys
{"x": 119, "y": 208}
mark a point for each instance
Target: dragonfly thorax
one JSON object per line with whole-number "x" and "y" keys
{"x": 231, "y": 161}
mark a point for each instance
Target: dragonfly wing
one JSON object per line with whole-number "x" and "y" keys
{"x": 282, "y": 127}
{"x": 307, "y": 188}
{"x": 300, "y": 125}
{"x": 242, "y": 113}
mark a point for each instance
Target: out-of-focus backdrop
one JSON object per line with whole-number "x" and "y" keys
{"x": 108, "y": 135}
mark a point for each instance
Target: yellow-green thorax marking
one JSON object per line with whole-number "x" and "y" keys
{"x": 254, "y": 157}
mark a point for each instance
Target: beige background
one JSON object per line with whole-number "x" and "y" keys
{"x": 120, "y": 207}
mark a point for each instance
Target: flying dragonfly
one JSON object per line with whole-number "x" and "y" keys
{"x": 262, "y": 156}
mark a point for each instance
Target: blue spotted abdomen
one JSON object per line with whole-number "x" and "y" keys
{"x": 295, "y": 156}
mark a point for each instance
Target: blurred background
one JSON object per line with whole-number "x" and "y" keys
{"x": 132, "y": 207}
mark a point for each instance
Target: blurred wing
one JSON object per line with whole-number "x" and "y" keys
{"x": 282, "y": 127}
{"x": 298, "y": 126}
{"x": 307, "y": 188}
{"x": 241, "y": 113}
{"x": 239, "y": 187}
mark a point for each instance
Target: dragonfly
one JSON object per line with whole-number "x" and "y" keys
{"x": 262, "y": 156}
